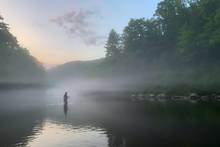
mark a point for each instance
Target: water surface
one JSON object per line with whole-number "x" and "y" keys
{"x": 38, "y": 117}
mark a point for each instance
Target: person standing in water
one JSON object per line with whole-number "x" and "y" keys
{"x": 65, "y": 98}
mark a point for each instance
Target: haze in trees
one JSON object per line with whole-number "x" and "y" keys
{"x": 179, "y": 45}
{"x": 17, "y": 65}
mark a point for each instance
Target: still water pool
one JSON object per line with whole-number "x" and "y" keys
{"x": 38, "y": 118}
{"x": 56, "y": 134}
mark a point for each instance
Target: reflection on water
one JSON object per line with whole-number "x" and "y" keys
{"x": 39, "y": 118}
{"x": 55, "y": 134}
{"x": 65, "y": 108}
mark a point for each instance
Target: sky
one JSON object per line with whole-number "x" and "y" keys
{"x": 59, "y": 31}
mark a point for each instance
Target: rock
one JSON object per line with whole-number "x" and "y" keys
{"x": 205, "y": 98}
{"x": 162, "y": 97}
{"x": 217, "y": 98}
{"x": 194, "y": 96}
{"x": 176, "y": 98}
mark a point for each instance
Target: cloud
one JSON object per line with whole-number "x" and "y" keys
{"x": 80, "y": 24}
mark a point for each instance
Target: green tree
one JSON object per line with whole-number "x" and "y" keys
{"x": 141, "y": 39}
{"x": 113, "y": 46}
{"x": 172, "y": 15}
{"x": 199, "y": 38}
{"x": 17, "y": 65}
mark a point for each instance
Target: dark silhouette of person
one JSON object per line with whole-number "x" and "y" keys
{"x": 65, "y": 98}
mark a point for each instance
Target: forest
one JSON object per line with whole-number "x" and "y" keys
{"x": 177, "y": 47}
{"x": 18, "y": 67}
{"x": 175, "y": 50}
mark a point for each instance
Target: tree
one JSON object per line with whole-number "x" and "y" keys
{"x": 113, "y": 46}
{"x": 142, "y": 39}
{"x": 6, "y": 38}
{"x": 198, "y": 40}
{"x": 172, "y": 15}
{"x": 17, "y": 65}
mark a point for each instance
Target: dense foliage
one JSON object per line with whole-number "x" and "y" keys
{"x": 17, "y": 65}
{"x": 176, "y": 50}
{"x": 179, "y": 44}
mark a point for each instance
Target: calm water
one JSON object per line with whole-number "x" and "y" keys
{"x": 38, "y": 118}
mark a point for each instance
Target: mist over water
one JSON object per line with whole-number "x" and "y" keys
{"x": 38, "y": 117}
{"x": 158, "y": 84}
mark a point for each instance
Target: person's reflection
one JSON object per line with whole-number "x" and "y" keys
{"x": 65, "y": 108}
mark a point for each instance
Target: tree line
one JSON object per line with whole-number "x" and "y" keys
{"x": 182, "y": 39}
{"x": 16, "y": 63}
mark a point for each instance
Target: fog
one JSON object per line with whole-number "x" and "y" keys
{"x": 29, "y": 117}
{"x": 158, "y": 84}
{"x": 132, "y": 80}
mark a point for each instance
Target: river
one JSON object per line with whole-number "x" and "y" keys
{"x": 38, "y": 118}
